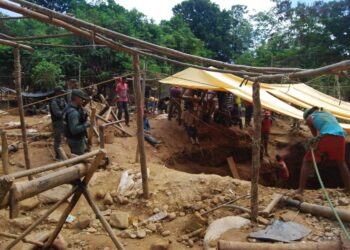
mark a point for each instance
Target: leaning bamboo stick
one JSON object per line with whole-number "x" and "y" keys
{"x": 41, "y": 219}
{"x": 15, "y": 45}
{"x": 75, "y": 198}
{"x": 102, "y": 219}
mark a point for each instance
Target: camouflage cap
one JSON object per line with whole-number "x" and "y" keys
{"x": 81, "y": 94}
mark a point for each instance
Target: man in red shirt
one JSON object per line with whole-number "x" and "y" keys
{"x": 122, "y": 99}
{"x": 265, "y": 130}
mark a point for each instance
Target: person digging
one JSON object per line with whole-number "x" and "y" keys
{"x": 328, "y": 141}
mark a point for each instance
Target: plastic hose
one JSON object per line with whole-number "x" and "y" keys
{"x": 341, "y": 224}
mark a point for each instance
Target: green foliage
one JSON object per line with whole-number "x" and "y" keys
{"x": 226, "y": 33}
{"x": 46, "y": 74}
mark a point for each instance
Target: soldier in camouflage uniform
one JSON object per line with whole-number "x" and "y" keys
{"x": 76, "y": 121}
{"x": 57, "y": 106}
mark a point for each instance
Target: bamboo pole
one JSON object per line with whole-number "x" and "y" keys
{"x": 6, "y": 37}
{"x": 75, "y": 199}
{"x": 329, "y": 69}
{"x": 114, "y": 125}
{"x": 41, "y": 219}
{"x": 18, "y": 80}
{"x": 51, "y": 166}
{"x": 99, "y": 215}
{"x": 140, "y": 135}
{"x": 4, "y": 152}
{"x": 233, "y": 245}
{"x": 42, "y": 37}
{"x": 256, "y": 152}
{"x": 14, "y": 44}
{"x": 75, "y": 30}
{"x": 146, "y": 45}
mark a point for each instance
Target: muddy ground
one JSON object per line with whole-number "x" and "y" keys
{"x": 184, "y": 179}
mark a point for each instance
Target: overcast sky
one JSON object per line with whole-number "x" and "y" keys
{"x": 162, "y": 9}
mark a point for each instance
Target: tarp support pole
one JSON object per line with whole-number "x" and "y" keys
{"x": 256, "y": 151}
{"x": 18, "y": 82}
{"x": 140, "y": 132}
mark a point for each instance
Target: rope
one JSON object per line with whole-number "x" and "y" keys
{"x": 325, "y": 194}
{"x": 61, "y": 95}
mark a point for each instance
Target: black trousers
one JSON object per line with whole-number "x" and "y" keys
{"x": 123, "y": 106}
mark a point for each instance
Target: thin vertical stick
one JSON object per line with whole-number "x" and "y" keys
{"x": 144, "y": 80}
{"x": 137, "y": 154}
{"x": 101, "y": 133}
{"x": 102, "y": 219}
{"x": 4, "y": 152}
{"x": 256, "y": 151}
{"x": 140, "y": 135}
{"x": 14, "y": 205}
{"x": 92, "y": 125}
{"x": 18, "y": 80}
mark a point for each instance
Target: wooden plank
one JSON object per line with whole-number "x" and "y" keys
{"x": 92, "y": 125}
{"x": 275, "y": 199}
{"x": 108, "y": 113}
{"x": 232, "y": 165}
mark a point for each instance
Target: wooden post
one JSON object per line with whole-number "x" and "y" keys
{"x": 14, "y": 206}
{"x": 140, "y": 135}
{"x": 144, "y": 80}
{"x": 18, "y": 79}
{"x": 92, "y": 125}
{"x": 256, "y": 151}
{"x": 101, "y": 133}
{"x": 4, "y": 152}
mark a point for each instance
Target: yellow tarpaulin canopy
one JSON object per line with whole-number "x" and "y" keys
{"x": 274, "y": 97}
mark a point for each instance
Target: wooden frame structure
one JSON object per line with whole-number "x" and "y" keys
{"x": 115, "y": 40}
{"x": 70, "y": 174}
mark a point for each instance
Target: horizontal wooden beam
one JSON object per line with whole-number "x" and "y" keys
{"x": 15, "y": 45}
{"x": 326, "y": 70}
{"x": 49, "y": 19}
{"x": 146, "y": 45}
{"x": 65, "y": 45}
{"x": 13, "y": 18}
{"x": 42, "y": 37}
{"x": 52, "y": 166}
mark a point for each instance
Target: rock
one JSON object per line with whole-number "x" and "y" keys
{"x": 29, "y": 204}
{"x": 99, "y": 195}
{"x": 329, "y": 234}
{"x": 172, "y": 216}
{"x": 83, "y": 222}
{"x": 54, "y": 217}
{"x": 182, "y": 214}
{"x": 343, "y": 202}
{"x": 152, "y": 227}
{"x": 108, "y": 200}
{"x": 160, "y": 245}
{"x": 141, "y": 233}
{"x": 190, "y": 243}
{"x": 55, "y": 194}
{"x": 132, "y": 236}
{"x": 120, "y": 199}
{"x": 106, "y": 212}
{"x": 166, "y": 233}
{"x": 156, "y": 210}
{"x": 165, "y": 208}
{"x": 91, "y": 230}
{"x": 119, "y": 220}
{"x": 22, "y": 223}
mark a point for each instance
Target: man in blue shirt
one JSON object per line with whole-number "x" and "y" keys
{"x": 330, "y": 143}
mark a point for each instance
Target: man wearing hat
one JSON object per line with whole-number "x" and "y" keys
{"x": 76, "y": 121}
{"x": 328, "y": 142}
{"x": 57, "y": 105}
